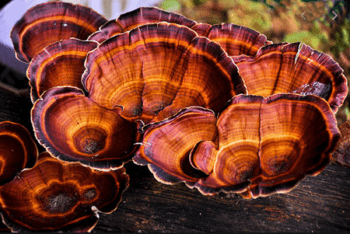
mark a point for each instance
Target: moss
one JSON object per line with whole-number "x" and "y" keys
{"x": 171, "y": 5}
{"x": 255, "y": 15}
{"x": 315, "y": 38}
{"x": 341, "y": 37}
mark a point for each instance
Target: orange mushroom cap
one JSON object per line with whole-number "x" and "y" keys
{"x": 135, "y": 18}
{"x": 61, "y": 63}
{"x": 155, "y": 70}
{"x": 17, "y": 150}
{"x": 234, "y": 39}
{"x": 49, "y": 22}
{"x": 56, "y": 195}
{"x": 258, "y": 146}
{"x": 167, "y": 144}
{"x": 74, "y": 128}
{"x": 293, "y": 68}
{"x": 342, "y": 153}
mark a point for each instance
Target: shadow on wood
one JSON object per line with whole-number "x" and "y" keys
{"x": 317, "y": 204}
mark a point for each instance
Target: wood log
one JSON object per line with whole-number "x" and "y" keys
{"x": 317, "y": 204}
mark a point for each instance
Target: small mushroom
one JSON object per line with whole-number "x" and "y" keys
{"x": 135, "y": 18}
{"x": 155, "y": 70}
{"x": 60, "y": 63}
{"x": 74, "y": 128}
{"x": 234, "y": 39}
{"x": 167, "y": 144}
{"x": 60, "y": 196}
{"x": 17, "y": 150}
{"x": 49, "y": 22}
{"x": 293, "y": 68}
{"x": 342, "y": 153}
{"x": 258, "y": 146}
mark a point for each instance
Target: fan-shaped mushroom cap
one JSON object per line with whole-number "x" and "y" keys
{"x": 293, "y": 68}
{"x": 269, "y": 143}
{"x": 135, "y": 18}
{"x": 258, "y": 145}
{"x": 17, "y": 150}
{"x": 234, "y": 39}
{"x": 56, "y": 195}
{"x": 342, "y": 153}
{"x": 239, "y": 134}
{"x": 167, "y": 144}
{"x": 61, "y": 63}
{"x": 49, "y": 22}
{"x": 158, "y": 69}
{"x": 74, "y": 128}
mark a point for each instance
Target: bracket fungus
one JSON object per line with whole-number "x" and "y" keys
{"x": 60, "y": 196}
{"x": 140, "y": 16}
{"x": 155, "y": 70}
{"x": 74, "y": 128}
{"x": 49, "y": 22}
{"x": 166, "y": 144}
{"x": 293, "y": 68}
{"x": 257, "y": 146}
{"x": 166, "y": 92}
{"x": 60, "y": 63}
{"x": 234, "y": 39}
{"x": 17, "y": 150}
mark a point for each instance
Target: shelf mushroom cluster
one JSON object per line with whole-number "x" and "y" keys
{"x": 218, "y": 107}
{"x": 257, "y": 146}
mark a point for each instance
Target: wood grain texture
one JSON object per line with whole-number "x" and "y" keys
{"x": 15, "y": 105}
{"x": 317, "y": 204}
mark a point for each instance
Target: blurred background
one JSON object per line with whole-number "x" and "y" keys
{"x": 322, "y": 24}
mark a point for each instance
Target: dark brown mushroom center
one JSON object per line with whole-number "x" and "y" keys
{"x": 90, "y": 194}
{"x": 90, "y": 140}
{"x": 59, "y": 198}
{"x": 279, "y": 166}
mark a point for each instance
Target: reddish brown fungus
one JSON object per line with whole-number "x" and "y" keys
{"x": 17, "y": 150}
{"x": 234, "y": 39}
{"x": 270, "y": 143}
{"x": 60, "y": 196}
{"x": 49, "y": 22}
{"x": 153, "y": 71}
{"x": 59, "y": 64}
{"x": 293, "y": 68}
{"x": 135, "y": 18}
{"x": 259, "y": 145}
{"x": 74, "y": 128}
{"x": 166, "y": 145}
